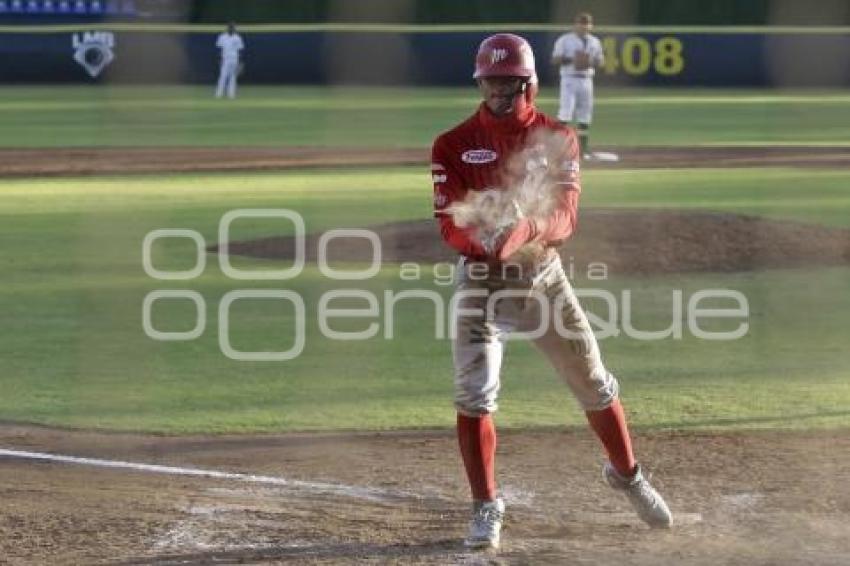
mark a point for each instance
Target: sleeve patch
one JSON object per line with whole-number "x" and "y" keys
{"x": 441, "y": 199}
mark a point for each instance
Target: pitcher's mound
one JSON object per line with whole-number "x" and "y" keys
{"x": 626, "y": 241}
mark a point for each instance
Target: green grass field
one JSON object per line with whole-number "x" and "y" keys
{"x": 75, "y": 353}
{"x": 125, "y": 116}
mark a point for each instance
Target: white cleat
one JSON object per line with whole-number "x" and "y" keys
{"x": 486, "y": 524}
{"x": 648, "y": 503}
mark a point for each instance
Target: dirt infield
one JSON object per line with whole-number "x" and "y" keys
{"x": 120, "y": 161}
{"x": 625, "y": 241}
{"x": 739, "y": 498}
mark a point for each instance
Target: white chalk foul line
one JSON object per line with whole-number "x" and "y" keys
{"x": 358, "y": 492}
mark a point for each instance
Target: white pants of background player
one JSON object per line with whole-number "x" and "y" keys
{"x": 567, "y": 339}
{"x": 227, "y": 78}
{"x": 576, "y": 100}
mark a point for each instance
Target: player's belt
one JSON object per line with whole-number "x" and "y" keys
{"x": 578, "y": 76}
{"x": 550, "y": 250}
{"x": 496, "y": 268}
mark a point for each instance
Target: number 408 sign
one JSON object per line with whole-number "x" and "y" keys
{"x": 638, "y": 55}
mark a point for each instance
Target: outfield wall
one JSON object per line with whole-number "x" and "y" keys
{"x": 418, "y": 55}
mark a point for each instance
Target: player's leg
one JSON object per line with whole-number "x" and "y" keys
{"x": 231, "y": 80}
{"x": 478, "y": 347}
{"x": 584, "y": 114}
{"x": 222, "y": 80}
{"x": 567, "y": 100}
{"x": 572, "y": 349}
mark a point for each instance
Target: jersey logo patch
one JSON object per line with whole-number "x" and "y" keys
{"x": 479, "y": 156}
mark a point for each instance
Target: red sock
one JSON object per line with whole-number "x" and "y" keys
{"x": 477, "y": 439}
{"x": 610, "y": 426}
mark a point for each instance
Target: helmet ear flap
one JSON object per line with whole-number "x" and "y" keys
{"x": 530, "y": 89}
{"x": 526, "y": 94}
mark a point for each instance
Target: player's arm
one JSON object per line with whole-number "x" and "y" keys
{"x": 553, "y": 230}
{"x": 559, "y": 57}
{"x": 561, "y": 60}
{"x": 599, "y": 55}
{"x": 562, "y": 222}
{"x": 240, "y": 53}
{"x": 219, "y": 43}
{"x": 449, "y": 188}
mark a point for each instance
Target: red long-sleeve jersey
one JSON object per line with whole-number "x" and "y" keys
{"x": 472, "y": 157}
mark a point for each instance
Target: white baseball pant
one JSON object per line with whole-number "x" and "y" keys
{"x": 576, "y": 103}
{"x": 227, "y": 78}
{"x": 541, "y": 301}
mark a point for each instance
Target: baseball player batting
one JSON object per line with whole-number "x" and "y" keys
{"x": 577, "y": 54}
{"x": 474, "y": 164}
{"x": 231, "y": 45}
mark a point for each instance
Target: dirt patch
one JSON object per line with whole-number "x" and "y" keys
{"x": 113, "y": 160}
{"x": 626, "y": 241}
{"x": 119, "y": 161}
{"x": 724, "y": 157}
{"x": 739, "y": 498}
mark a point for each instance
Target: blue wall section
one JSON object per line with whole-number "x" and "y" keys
{"x": 438, "y": 58}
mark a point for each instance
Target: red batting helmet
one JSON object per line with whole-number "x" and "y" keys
{"x": 505, "y": 55}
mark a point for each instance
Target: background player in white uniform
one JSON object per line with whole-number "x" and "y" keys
{"x": 578, "y": 54}
{"x": 231, "y": 45}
